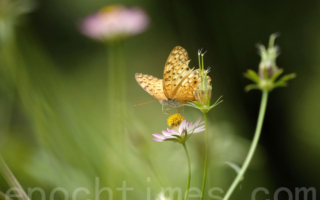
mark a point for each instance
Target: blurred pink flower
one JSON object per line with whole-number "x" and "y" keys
{"x": 182, "y": 134}
{"x": 115, "y": 22}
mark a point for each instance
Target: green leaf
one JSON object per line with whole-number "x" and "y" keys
{"x": 276, "y": 75}
{"x": 216, "y": 103}
{"x": 283, "y": 81}
{"x": 195, "y": 104}
{"x": 198, "y": 104}
{"x": 288, "y": 77}
{"x": 251, "y": 87}
{"x": 252, "y": 75}
{"x": 280, "y": 84}
{"x": 190, "y": 104}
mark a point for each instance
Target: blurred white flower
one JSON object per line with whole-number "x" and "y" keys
{"x": 115, "y": 22}
{"x": 161, "y": 197}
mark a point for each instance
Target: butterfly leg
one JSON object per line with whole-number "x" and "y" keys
{"x": 183, "y": 110}
{"x": 165, "y": 111}
{"x": 177, "y": 109}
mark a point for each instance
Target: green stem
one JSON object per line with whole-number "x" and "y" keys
{"x": 111, "y": 78}
{"x": 206, "y": 156}
{"x": 253, "y": 147}
{"x": 189, "y": 170}
{"x": 122, "y": 77}
{"x": 12, "y": 181}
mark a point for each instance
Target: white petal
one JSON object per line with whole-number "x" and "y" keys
{"x": 182, "y": 125}
{"x": 199, "y": 129}
{"x": 165, "y": 133}
{"x": 157, "y": 139}
{"x": 197, "y": 122}
{"x": 189, "y": 124}
{"x": 169, "y": 137}
{"x": 158, "y": 136}
{"x": 173, "y": 132}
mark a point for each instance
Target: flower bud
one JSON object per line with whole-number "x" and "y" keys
{"x": 268, "y": 66}
{"x": 203, "y": 93}
{"x": 267, "y": 77}
{"x": 203, "y": 96}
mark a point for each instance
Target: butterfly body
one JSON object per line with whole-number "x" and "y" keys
{"x": 170, "y": 102}
{"x": 179, "y": 81}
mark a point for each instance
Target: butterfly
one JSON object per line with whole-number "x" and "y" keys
{"x": 179, "y": 81}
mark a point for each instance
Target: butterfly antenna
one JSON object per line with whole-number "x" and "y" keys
{"x": 145, "y": 103}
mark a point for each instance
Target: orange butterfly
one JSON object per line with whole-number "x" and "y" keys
{"x": 179, "y": 81}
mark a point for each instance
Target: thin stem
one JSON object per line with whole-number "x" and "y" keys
{"x": 253, "y": 147}
{"x": 3, "y": 196}
{"x": 111, "y": 78}
{"x": 202, "y": 62}
{"x": 121, "y": 76}
{"x": 12, "y": 181}
{"x": 206, "y": 156}
{"x": 189, "y": 170}
{"x": 199, "y": 58}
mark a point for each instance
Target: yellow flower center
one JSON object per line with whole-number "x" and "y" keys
{"x": 110, "y": 8}
{"x": 175, "y": 120}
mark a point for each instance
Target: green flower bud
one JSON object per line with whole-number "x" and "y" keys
{"x": 268, "y": 66}
{"x": 267, "y": 77}
{"x": 204, "y": 91}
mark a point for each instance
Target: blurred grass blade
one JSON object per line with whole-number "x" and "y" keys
{"x": 11, "y": 180}
{"x": 3, "y": 196}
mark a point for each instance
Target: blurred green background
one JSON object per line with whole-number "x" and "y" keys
{"x": 55, "y": 122}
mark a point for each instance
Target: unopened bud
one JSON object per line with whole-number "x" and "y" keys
{"x": 203, "y": 96}
{"x": 268, "y": 66}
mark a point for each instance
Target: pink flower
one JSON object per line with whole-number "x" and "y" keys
{"x": 186, "y": 129}
{"x": 115, "y": 22}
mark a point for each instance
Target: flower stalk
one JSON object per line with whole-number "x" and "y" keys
{"x": 206, "y": 156}
{"x": 203, "y": 99}
{"x": 253, "y": 146}
{"x": 265, "y": 81}
{"x": 12, "y": 181}
{"x": 189, "y": 170}
{"x": 116, "y": 75}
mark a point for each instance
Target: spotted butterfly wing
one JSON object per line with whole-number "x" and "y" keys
{"x": 151, "y": 84}
{"x": 175, "y": 70}
{"x": 179, "y": 81}
{"x": 189, "y": 85}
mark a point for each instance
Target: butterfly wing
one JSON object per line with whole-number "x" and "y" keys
{"x": 151, "y": 84}
{"x": 175, "y": 70}
{"x": 187, "y": 88}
